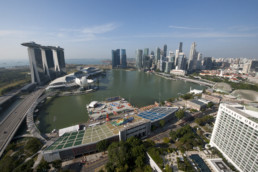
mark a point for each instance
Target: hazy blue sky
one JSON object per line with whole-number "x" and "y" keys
{"x": 90, "y": 29}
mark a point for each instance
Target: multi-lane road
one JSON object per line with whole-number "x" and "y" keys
{"x": 11, "y": 123}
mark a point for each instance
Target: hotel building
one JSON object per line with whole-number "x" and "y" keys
{"x": 235, "y": 135}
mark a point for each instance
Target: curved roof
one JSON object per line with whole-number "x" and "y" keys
{"x": 93, "y": 103}
{"x": 221, "y": 86}
{"x": 63, "y": 79}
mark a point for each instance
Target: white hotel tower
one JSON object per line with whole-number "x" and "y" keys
{"x": 235, "y": 135}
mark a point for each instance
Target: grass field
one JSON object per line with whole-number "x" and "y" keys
{"x": 11, "y": 79}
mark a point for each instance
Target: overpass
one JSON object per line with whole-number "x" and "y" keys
{"x": 11, "y": 123}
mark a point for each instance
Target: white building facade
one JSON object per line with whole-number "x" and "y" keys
{"x": 235, "y": 135}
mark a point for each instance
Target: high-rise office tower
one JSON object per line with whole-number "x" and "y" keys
{"x": 192, "y": 57}
{"x": 162, "y": 65}
{"x": 123, "y": 58}
{"x": 207, "y": 63}
{"x": 181, "y": 61}
{"x": 176, "y": 57}
{"x": 180, "y": 47}
{"x": 246, "y": 68}
{"x": 157, "y": 54}
{"x": 254, "y": 66}
{"x": 115, "y": 58}
{"x": 168, "y": 67}
{"x": 139, "y": 54}
{"x": 165, "y": 51}
{"x": 199, "y": 61}
{"x": 172, "y": 59}
{"x": 235, "y": 135}
{"x": 152, "y": 53}
{"x": 146, "y": 52}
{"x": 145, "y": 58}
{"x": 46, "y": 62}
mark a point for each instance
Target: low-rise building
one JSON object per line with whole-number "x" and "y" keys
{"x": 178, "y": 72}
{"x": 213, "y": 99}
{"x": 195, "y": 104}
{"x": 218, "y": 165}
{"x": 77, "y": 143}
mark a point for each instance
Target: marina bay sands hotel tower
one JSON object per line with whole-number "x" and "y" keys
{"x": 46, "y": 62}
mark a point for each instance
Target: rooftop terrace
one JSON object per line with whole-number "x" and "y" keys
{"x": 92, "y": 134}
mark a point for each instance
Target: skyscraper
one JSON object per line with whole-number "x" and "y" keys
{"x": 59, "y": 61}
{"x": 207, "y": 63}
{"x": 199, "y": 61}
{"x": 168, "y": 67}
{"x": 162, "y": 65}
{"x": 180, "y": 47}
{"x": 146, "y": 52}
{"x": 254, "y": 66}
{"x": 181, "y": 61}
{"x": 146, "y": 58}
{"x": 235, "y": 135}
{"x": 172, "y": 59}
{"x": 46, "y": 62}
{"x": 176, "y": 58}
{"x": 115, "y": 58}
{"x": 165, "y": 51}
{"x": 139, "y": 54}
{"x": 157, "y": 54}
{"x": 192, "y": 58}
{"x": 123, "y": 58}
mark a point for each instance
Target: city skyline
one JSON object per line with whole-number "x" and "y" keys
{"x": 221, "y": 29}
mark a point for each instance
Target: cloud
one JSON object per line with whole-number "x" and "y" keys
{"x": 188, "y": 28}
{"x": 100, "y": 29}
{"x": 244, "y": 28}
{"x": 197, "y": 35}
{"x": 87, "y": 33}
{"x": 4, "y": 33}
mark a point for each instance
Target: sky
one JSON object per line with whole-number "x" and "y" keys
{"x": 90, "y": 29}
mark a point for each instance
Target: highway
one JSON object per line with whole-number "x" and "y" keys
{"x": 11, "y": 123}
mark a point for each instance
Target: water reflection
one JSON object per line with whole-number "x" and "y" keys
{"x": 139, "y": 88}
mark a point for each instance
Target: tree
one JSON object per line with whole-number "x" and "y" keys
{"x": 209, "y": 105}
{"x": 147, "y": 168}
{"x": 180, "y": 114}
{"x": 26, "y": 167}
{"x": 171, "y": 100}
{"x": 57, "y": 164}
{"x": 168, "y": 168}
{"x": 102, "y": 145}
{"x": 166, "y": 140}
{"x": 173, "y": 135}
{"x": 139, "y": 162}
{"x": 187, "y": 96}
{"x": 126, "y": 156}
{"x": 32, "y": 146}
{"x": 43, "y": 166}
{"x": 162, "y": 123}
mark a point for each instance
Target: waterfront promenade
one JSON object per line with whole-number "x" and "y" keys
{"x": 210, "y": 83}
{"x": 10, "y": 125}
